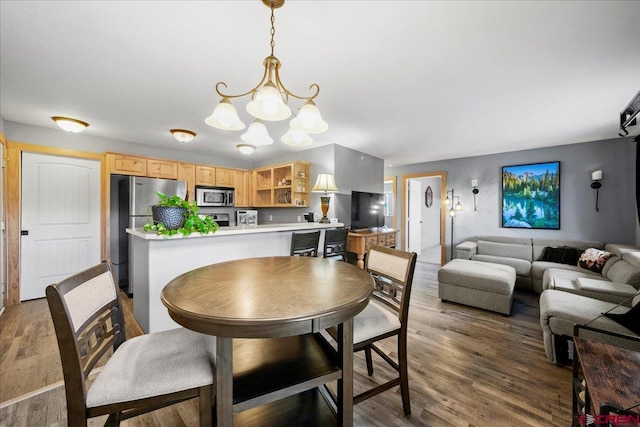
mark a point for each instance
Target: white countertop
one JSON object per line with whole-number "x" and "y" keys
{"x": 234, "y": 230}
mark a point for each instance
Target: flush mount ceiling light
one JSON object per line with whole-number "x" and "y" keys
{"x": 269, "y": 100}
{"x": 183, "y": 135}
{"x": 246, "y": 148}
{"x": 69, "y": 124}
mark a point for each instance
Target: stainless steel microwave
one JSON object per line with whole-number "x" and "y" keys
{"x": 214, "y": 196}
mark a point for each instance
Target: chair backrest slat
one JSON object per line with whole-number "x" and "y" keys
{"x": 335, "y": 243}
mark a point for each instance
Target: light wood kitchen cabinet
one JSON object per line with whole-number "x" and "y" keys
{"x": 242, "y": 191}
{"x": 286, "y": 185}
{"x": 162, "y": 169}
{"x": 128, "y": 165}
{"x": 205, "y": 175}
{"x": 225, "y": 177}
{"x": 187, "y": 172}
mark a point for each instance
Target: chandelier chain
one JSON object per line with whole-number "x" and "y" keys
{"x": 273, "y": 28}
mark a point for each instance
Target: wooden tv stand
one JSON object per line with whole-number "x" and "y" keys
{"x": 360, "y": 241}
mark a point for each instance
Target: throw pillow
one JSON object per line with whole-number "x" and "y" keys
{"x": 593, "y": 259}
{"x": 562, "y": 255}
{"x": 630, "y": 319}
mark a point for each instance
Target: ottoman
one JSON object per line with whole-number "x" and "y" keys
{"x": 478, "y": 284}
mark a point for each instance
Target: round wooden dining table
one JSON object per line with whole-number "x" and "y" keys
{"x": 271, "y": 297}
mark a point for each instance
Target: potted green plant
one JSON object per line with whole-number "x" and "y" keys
{"x": 173, "y": 215}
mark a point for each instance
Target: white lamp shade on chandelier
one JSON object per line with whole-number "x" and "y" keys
{"x": 225, "y": 117}
{"x": 70, "y": 125}
{"x": 309, "y": 119}
{"x": 296, "y": 138}
{"x": 268, "y": 102}
{"x": 183, "y": 135}
{"x": 257, "y": 134}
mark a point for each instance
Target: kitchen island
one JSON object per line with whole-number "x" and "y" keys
{"x": 157, "y": 260}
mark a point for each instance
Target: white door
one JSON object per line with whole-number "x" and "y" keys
{"x": 60, "y": 231}
{"x": 414, "y": 222}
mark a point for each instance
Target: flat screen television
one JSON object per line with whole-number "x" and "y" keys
{"x": 367, "y": 210}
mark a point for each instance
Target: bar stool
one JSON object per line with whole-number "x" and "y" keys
{"x": 335, "y": 243}
{"x": 305, "y": 244}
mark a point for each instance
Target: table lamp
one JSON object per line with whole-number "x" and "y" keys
{"x": 324, "y": 184}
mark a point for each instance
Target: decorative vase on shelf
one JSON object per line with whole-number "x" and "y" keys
{"x": 173, "y": 217}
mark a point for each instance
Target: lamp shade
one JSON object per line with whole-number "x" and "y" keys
{"x": 309, "y": 119}
{"x": 268, "y": 104}
{"x": 325, "y": 184}
{"x": 225, "y": 117}
{"x": 69, "y": 124}
{"x": 296, "y": 138}
{"x": 257, "y": 134}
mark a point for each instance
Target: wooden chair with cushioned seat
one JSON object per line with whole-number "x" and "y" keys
{"x": 143, "y": 373}
{"x": 335, "y": 243}
{"x": 305, "y": 244}
{"x": 386, "y": 316}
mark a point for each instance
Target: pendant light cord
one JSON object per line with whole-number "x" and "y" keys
{"x": 273, "y": 28}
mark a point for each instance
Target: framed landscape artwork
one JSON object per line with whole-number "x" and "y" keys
{"x": 531, "y": 196}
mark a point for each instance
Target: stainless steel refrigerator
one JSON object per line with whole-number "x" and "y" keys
{"x": 136, "y": 195}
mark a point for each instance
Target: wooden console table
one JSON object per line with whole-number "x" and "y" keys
{"x": 359, "y": 242}
{"x": 611, "y": 376}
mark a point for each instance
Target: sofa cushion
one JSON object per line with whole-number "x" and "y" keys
{"x": 562, "y": 273}
{"x": 607, "y": 265}
{"x": 618, "y": 249}
{"x": 539, "y": 267}
{"x": 504, "y": 250}
{"x": 632, "y": 258}
{"x": 623, "y": 272}
{"x": 593, "y": 259}
{"x": 560, "y": 311}
{"x": 522, "y": 267}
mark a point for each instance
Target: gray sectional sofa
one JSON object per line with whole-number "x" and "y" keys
{"x": 570, "y": 295}
{"x": 523, "y": 254}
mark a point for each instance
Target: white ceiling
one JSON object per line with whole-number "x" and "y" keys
{"x": 406, "y": 81}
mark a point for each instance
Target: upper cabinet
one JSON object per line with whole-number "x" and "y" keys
{"x": 187, "y": 172}
{"x": 162, "y": 169}
{"x": 242, "y": 180}
{"x": 225, "y": 177}
{"x": 205, "y": 175}
{"x": 285, "y": 185}
{"x": 127, "y": 165}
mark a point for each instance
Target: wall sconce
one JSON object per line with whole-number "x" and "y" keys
{"x": 475, "y": 191}
{"x": 596, "y": 176}
{"x": 456, "y": 206}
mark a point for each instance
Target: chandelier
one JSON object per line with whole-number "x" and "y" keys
{"x": 269, "y": 99}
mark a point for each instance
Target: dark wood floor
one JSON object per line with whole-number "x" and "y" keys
{"x": 467, "y": 367}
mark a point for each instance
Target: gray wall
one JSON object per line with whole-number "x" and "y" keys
{"x": 352, "y": 170}
{"x": 615, "y": 222}
{"x": 28, "y": 134}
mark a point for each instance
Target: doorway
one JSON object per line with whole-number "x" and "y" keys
{"x": 60, "y": 220}
{"x": 423, "y": 217}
